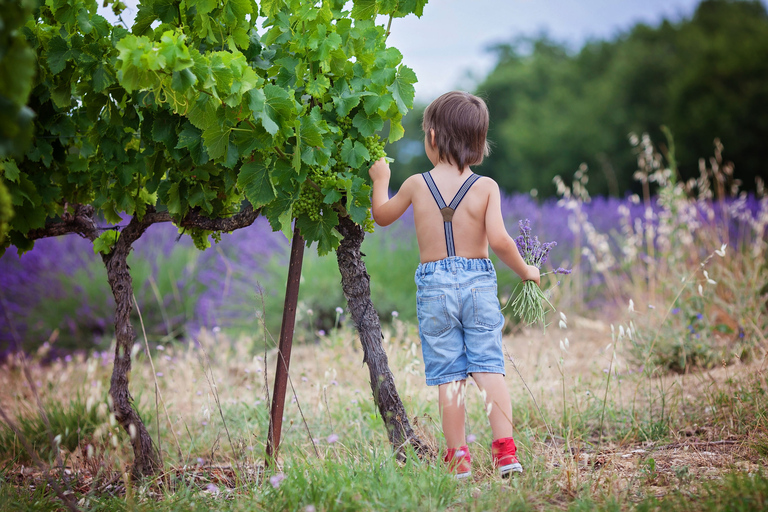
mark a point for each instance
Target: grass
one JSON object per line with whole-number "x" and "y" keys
{"x": 657, "y": 437}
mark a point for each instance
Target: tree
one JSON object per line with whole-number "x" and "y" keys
{"x": 704, "y": 78}
{"x": 196, "y": 118}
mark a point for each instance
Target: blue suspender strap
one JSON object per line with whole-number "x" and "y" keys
{"x": 447, "y": 211}
{"x": 463, "y": 190}
{"x": 433, "y": 188}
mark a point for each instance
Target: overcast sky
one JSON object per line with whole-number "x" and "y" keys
{"x": 447, "y": 46}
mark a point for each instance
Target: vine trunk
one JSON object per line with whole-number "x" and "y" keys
{"x": 147, "y": 460}
{"x": 355, "y": 282}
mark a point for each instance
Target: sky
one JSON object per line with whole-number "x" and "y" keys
{"x": 448, "y": 46}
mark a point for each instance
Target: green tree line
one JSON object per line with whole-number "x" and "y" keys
{"x": 703, "y": 77}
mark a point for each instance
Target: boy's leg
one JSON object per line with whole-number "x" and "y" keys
{"x": 451, "y": 401}
{"x": 497, "y": 396}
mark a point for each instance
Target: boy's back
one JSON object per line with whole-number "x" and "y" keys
{"x": 469, "y": 219}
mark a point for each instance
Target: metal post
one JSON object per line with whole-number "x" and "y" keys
{"x": 284, "y": 349}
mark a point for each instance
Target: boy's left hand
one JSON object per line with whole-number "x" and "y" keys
{"x": 379, "y": 170}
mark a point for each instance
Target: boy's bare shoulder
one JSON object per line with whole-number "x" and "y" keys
{"x": 413, "y": 182}
{"x": 487, "y": 184}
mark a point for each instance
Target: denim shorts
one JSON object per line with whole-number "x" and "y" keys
{"x": 460, "y": 320}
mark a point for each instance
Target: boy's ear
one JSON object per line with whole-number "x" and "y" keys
{"x": 432, "y": 137}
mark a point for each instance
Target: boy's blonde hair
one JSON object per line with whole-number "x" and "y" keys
{"x": 460, "y": 122}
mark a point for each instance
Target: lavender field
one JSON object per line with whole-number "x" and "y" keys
{"x": 57, "y": 295}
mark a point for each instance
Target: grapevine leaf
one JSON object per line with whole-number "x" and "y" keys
{"x": 105, "y": 242}
{"x": 364, "y": 9}
{"x": 253, "y": 139}
{"x": 354, "y": 153}
{"x": 255, "y": 182}
{"x": 343, "y": 98}
{"x": 396, "y": 130}
{"x": 312, "y": 128}
{"x": 322, "y": 231}
{"x": 402, "y": 89}
{"x": 203, "y": 112}
{"x": 10, "y": 170}
{"x": 58, "y": 54}
{"x": 84, "y": 21}
{"x": 376, "y": 103}
{"x": 280, "y": 213}
{"x": 332, "y": 196}
{"x": 368, "y": 125}
{"x": 317, "y": 86}
{"x": 202, "y": 196}
{"x": 271, "y": 7}
{"x": 102, "y": 77}
{"x": 183, "y": 80}
{"x": 216, "y": 139}
{"x": 174, "y": 199}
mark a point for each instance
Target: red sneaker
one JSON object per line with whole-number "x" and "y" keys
{"x": 504, "y": 458}
{"x": 459, "y": 461}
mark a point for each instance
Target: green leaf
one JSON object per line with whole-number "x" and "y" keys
{"x": 402, "y": 89}
{"x": 84, "y": 21}
{"x": 280, "y": 213}
{"x": 364, "y": 9}
{"x": 216, "y": 140}
{"x": 58, "y": 54}
{"x": 203, "y": 112}
{"x": 313, "y": 127}
{"x": 321, "y": 231}
{"x": 272, "y": 105}
{"x": 396, "y": 130}
{"x": 102, "y": 77}
{"x": 202, "y": 196}
{"x": 354, "y": 153}
{"x": 175, "y": 203}
{"x": 183, "y": 80}
{"x": 105, "y": 242}
{"x": 368, "y": 125}
{"x": 271, "y": 7}
{"x": 255, "y": 182}
{"x": 343, "y": 98}
{"x": 10, "y": 170}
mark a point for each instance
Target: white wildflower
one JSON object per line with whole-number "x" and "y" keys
{"x": 721, "y": 251}
{"x": 701, "y": 290}
{"x": 709, "y": 280}
{"x": 631, "y": 309}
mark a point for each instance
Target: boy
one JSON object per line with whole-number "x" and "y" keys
{"x": 458, "y": 310}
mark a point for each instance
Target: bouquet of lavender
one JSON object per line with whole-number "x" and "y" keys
{"x": 532, "y": 304}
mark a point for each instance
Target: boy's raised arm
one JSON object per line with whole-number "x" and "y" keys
{"x": 504, "y": 245}
{"x": 385, "y": 211}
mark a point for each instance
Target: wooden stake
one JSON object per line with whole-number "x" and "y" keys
{"x": 284, "y": 349}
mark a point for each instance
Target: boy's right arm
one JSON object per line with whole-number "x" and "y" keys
{"x": 504, "y": 245}
{"x": 384, "y": 210}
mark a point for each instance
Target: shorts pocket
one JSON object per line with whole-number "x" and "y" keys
{"x": 486, "y": 303}
{"x": 433, "y": 315}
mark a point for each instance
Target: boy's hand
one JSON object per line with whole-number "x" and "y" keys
{"x": 532, "y": 274}
{"x": 379, "y": 170}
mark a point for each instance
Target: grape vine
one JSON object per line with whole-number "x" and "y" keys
{"x": 206, "y": 105}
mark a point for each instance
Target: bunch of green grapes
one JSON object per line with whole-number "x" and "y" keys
{"x": 345, "y": 123}
{"x": 375, "y": 147}
{"x": 310, "y": 200}
{"x": 6, "y": 211}
{"x": 200, "y": 237}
